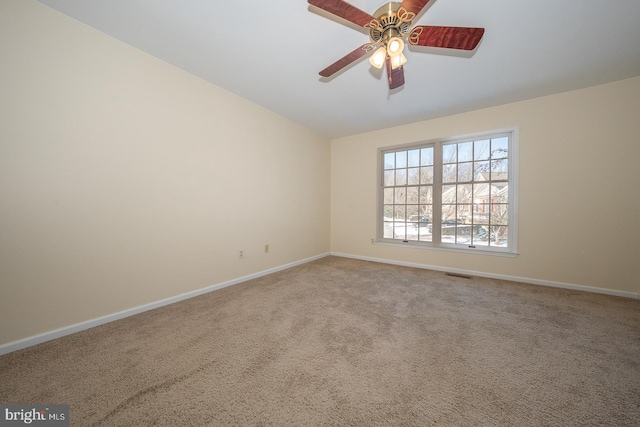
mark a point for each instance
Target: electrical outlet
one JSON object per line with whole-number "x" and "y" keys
{"x": 266, "y": 249}
{"x": 241, "y": 254}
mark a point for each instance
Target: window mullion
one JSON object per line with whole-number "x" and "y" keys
{"x": 436, "y": 224}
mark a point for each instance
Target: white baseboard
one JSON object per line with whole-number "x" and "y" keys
{"x": 68, "y": 330}
{"x": 496, "y": 276}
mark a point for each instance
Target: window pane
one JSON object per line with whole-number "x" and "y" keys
{"x": 481, "y": 213}
{"x": 388, "y": 212}
{"x": 449, "y": 193}
{"x": 465, "y": 152}
{"x": 480, "y": 236}
{"x": 481, "y": 171}
{"x": 426, "y": 195}
{"x": 413, "y": 177}
{"x": 412, "y": 232}
{"x": 387, "y": 230}
{"x": 481, "y": 193}
{"x": 500, "y": 169}
{"x": 412, "y": 213}
{"x": 412, "y": 195}
{"x": 465, "y": 172}
{"x": 463, "y": 214}
{"x": 500, "y": 236}
{"x": 500, "y": 214}
{"x": 449, "y": 173}
{"x": 388, "y": 196}
{"x": 463, "y": 234}
{"x": 399, "y": 230}
{"x": 389, "y": 178}
{"x": 426, "y": 211}
{"x": 449, "y": 153}
{"x": 448, "y": 233}
{"x": 464, "y": 193}
{"x": 414, "y": 158}
{"x": 500, "y": 148}
{"x": 398, "y": 212}
{"x": 426, "y": 156}
{"x": 401, "y": 159}
{"x": 448, "y": 214}
{"x": 400, "y": 196}
{"x": 501, "y": 193}
{"x": 425, "y": 234}
{"x": 426, "y": 175}
{"x": 389, "y": 160}
{"x": 481, "y": 150}
{"x": 401, "y": 177}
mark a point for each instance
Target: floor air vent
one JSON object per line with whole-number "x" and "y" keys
{"x": 462, "y": 276}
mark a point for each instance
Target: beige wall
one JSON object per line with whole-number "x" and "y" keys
{"x": 125, "y": 181}
{"x": 579, "y": 188}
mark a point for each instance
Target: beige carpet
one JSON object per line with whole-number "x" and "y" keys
{"x": 347, "y": 342}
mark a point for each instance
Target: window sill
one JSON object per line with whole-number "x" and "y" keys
{"x": 476, "y": 251}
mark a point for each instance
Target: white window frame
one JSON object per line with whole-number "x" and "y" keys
{"x": 436, "y": 243}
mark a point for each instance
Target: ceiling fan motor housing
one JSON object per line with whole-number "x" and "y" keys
{"x": 388, "y": 24}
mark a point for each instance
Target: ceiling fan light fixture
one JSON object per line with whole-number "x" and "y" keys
{"x": 398, "y": 61}
{"x": 378, "y": 58}
{"x": 395, "y": 46}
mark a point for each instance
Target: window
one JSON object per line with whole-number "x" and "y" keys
{"x": 450, "y": 194}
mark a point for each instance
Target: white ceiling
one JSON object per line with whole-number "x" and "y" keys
{"x": 271, "y": 53}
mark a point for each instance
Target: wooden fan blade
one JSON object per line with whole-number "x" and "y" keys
{"x": 346, "y": 60}
{"x": 414, "y": 6}
{"x": 343, "y": 10}
{"x": 465, "y": 38}
{"x": 396, "y": 77}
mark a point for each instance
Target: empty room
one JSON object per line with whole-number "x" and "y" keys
{"x": 319, "y": 212}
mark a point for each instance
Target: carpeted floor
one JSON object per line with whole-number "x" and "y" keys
{"x": 347, "y": 342}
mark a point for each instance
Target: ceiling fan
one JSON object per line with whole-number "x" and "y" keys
{"x": 389, "y": 27}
